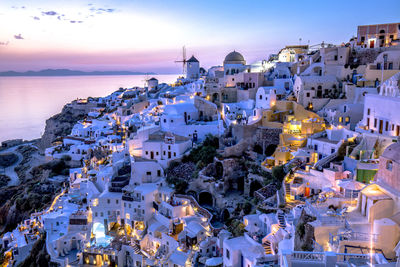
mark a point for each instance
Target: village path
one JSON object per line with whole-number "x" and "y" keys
{"x": 9, "y": 171}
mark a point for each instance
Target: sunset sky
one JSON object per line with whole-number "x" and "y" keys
{"x": 148, "y": 35}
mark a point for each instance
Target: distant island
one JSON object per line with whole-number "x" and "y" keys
{"x": 67, "y": 72}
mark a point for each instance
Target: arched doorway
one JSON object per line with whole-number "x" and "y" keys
{"x": 219, "y": 170}
{"x": 206, "y": 199}
{"x": 254, "y": 186}
{"x": 215, "y": 97}
{"x": 319, "y": 91}
{"x": 240, "y": 184}
{"x": 270, "y": 149}
{"x": 225, "y": 215}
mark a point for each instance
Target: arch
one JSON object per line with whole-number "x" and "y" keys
{"x": 225, "y": 215}
{"x": 215, "y": 97}
{"x": 270, "y": 149}
{"x": 219, "y": 170}
{"x": 254, "y": 186}
{"x": 240, "y": 183}
{"x": 319, "y": 91}
{"x": 206, "y": 199}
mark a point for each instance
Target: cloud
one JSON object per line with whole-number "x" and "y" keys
{"x": 4, "y": 43}
{"x": 36, "y": 18}
{"x": 102, "y": 10}
{"x": 49, "y": 13}
{"x": 18, "y": 37}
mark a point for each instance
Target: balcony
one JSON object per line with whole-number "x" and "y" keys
{"x": 130, "y": 198}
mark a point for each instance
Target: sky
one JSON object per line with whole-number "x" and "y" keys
{"x": 148, "y": 35}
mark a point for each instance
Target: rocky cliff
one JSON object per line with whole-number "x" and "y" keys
{"x": 60, "y": 125}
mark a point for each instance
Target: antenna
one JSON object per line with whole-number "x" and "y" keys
{"x": 183, "y": 61}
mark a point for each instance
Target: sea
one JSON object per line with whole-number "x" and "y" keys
{"x": 27, "y": 102}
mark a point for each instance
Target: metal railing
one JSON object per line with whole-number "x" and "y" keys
{"x": 309, "y": 256}
{"x": 344, "y": 257}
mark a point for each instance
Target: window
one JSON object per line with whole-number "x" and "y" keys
{"x": 147, "y": 152}
{"x": 174, "y": 154}
{"x": 165, "y": 120}
{"x": 148, "y": 173}
{"x": 390, "y": 66}
{"x": 172, "y": 121}
{"x": 378, "y": 66}
{"x": 169, "y": 147}
{"x": 108, "y": 201}
{"x": 228, "y": 256}
{"x": 308, "y": 94}
{"x": 387, "y": 126}
{"x": 340, "y": 119}
{"x": 335, "y": 58}
{"x": 95, "y": 214}
{"x": 368, "y": 111}
{"x": 260, "y": 96}
{"x": 158, "y": 172}
{"x": 101, "y": 214}
{"x": 389, "y": 165}
{"x": 266, "y": 98}
{"x": 332, "y": 150}
{"x": 116, "y": 201}
{"x": 375, "y": 122}
{"x": 109, "y": 212}
{"x": 347, "y": 119}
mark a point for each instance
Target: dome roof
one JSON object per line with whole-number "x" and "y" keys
{"x": 234, "y": 58}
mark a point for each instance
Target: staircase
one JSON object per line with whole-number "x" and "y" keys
{"x": 267, "y": 247}
{"x": 287, "y": 189}
{"x": 136, "y": 248}
{"x": 281, "y": 219}
{"x": 320, "y": 163}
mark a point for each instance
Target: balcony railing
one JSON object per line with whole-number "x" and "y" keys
{"x": 130, "y": 198}
{"x": 352, "y": 236}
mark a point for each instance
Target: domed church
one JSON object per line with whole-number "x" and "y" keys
{"x": 234, "y": 63}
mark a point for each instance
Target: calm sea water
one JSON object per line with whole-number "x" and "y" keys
{"x": 26, "y": 102}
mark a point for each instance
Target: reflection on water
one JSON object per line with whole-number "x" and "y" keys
{"x": 26, "y": 102}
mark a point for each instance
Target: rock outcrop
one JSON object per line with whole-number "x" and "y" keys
{"x": 60, "y": 125}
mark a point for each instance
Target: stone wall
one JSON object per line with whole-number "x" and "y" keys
{"x": 206, "y": 108}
